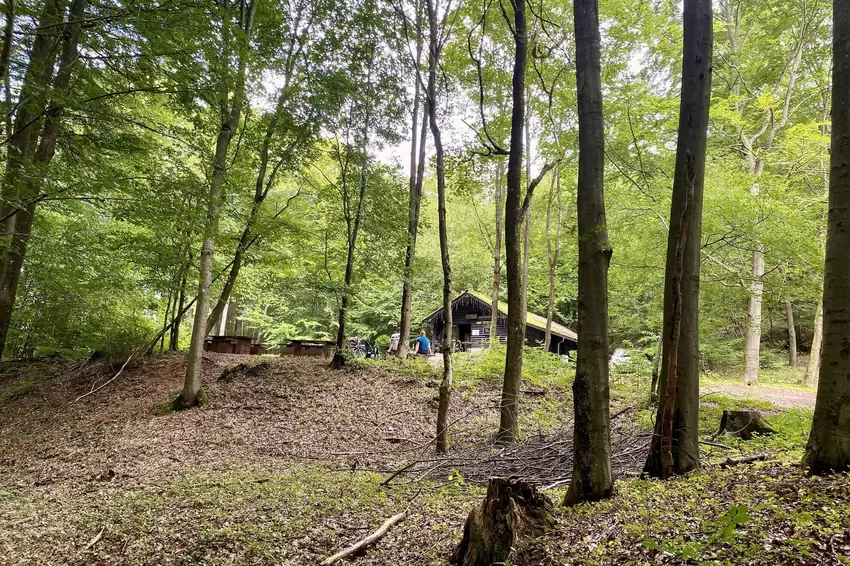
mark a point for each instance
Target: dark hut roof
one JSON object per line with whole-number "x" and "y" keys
{"x": 531, "y": 319}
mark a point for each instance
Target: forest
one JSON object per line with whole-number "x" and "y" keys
{"x": 425, "y": 282}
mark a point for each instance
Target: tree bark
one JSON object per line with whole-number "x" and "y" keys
{"x": 693, "y": 126}
{"x": 417, "y": 175}
{"x": 813, "y": 368}
{"x": 511, "y": 512}
{"x": 497, "y": 252}
{"x": 667, "y": 415}
{"x": 552, "y": 253}
{"x": 434, "y": 47}
{"x": 231, "y": 110}
{"x": 591, "y": 479}
{"x": 828, "y": 448}
{"x": 792, "y": 335}
{"x": 513, "y": 223}
{"x": 526, "y": 237}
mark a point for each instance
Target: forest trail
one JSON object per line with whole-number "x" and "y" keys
{"x": 779, "y": 396}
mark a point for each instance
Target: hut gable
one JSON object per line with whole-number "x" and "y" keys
{"x": 472, "y": 313}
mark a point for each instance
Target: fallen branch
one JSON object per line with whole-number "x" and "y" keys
{"x": 743, "y": 460}
{"x": 369, "y": 540}
{"x": 715, "y": 444}
{"x": 114, "y": 377}
{"x": 96, "y": 538}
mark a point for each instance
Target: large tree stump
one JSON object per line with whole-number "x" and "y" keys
{"x": 512, "y": 510}
{"x": 743, "y": 424}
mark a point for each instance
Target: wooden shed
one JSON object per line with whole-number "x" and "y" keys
{"x": 471, "y": 316}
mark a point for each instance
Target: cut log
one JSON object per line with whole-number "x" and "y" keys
{"x": 743, "y": 424}
{"x": 728, "y": 462}
{"x": 512, "y": 511}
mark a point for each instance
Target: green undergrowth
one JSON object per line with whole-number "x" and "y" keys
{"x": 539, "y": 369}
{"x": 763, "y": 513}
{"x": 294, "y": 516}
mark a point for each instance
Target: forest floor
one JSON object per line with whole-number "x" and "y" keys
{"x": 290, "y": 462}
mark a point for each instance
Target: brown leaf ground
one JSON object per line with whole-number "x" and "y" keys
{"x": 285, "y": 465}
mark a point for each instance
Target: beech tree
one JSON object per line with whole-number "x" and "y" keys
{"x": 418, "y": 135}
{"x": 591, "y": 479}
{"x": 678, "y": 388}
{"x": 828, "y": 448}
{"x": 237, "y": 23}
{"x": 41, "y": 103}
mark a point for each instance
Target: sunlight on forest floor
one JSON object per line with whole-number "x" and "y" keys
{"x": 285, "y": 466}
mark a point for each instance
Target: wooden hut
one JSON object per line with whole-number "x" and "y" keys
{"x": 471, "y": 316}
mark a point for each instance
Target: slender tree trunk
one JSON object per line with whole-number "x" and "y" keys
{"x": 26, "y": 170}
{"x": 752, "y": 342}
{"x": 338, "y": 360}
{"x": 417, "y": 175}
{"x": 591, "y": 479}
{"x": 828, "y": 448}
{"x": 526, "y": 238}
{"x": 5, "y": 56}
{"x": 792, "y": 335}
{"x": 513, "y": 223}
{"x": 552, "y": 253}
{"x": 178, "y": 313}
{"x": 691, "y": 148}
{"x": 166, "y": 315}
{"x": 446, "y": 384}
{"x": 813, "y": 368}
{"x": 497, "y": 253}
{"x": 191, "y": 395}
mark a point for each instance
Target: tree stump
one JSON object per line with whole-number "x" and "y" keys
{"x": 743, "y": 424}
{"x": 513, "y": 510}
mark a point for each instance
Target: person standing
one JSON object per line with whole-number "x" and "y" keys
{"x": 423, "y": 345}
{"x": 394, "y": 339}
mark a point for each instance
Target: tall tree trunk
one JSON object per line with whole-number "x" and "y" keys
{"x": 417, "y": 175}
{"x": 191, "y": 395}
{"x": 434, "y": 44}
{"x": 670, "y": 390}
{"x": 5, "y": 56}
{"x": 513, "y": 222}
{"x": 755, "y": 163}
{"x": 691, "y": 147}
{"x": 828, "y": 448}
{"x": 591, "y": 479}
{"x": 497, "y": 252}
{"x": 338, "y": 360}
{"x": 792, "y": 335}
{"x": 526, "y": 237}
{"x": 813, "y": 368}
{"x": 25, "y": 169}
{"x": 552, "y": 254}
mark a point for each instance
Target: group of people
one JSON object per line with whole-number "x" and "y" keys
{"x": 422, "y": 346}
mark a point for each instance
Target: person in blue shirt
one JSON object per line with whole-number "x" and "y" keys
{"x": 423, "y": 345}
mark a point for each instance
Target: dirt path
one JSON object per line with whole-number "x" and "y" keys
{"x": 788, "y": 398}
